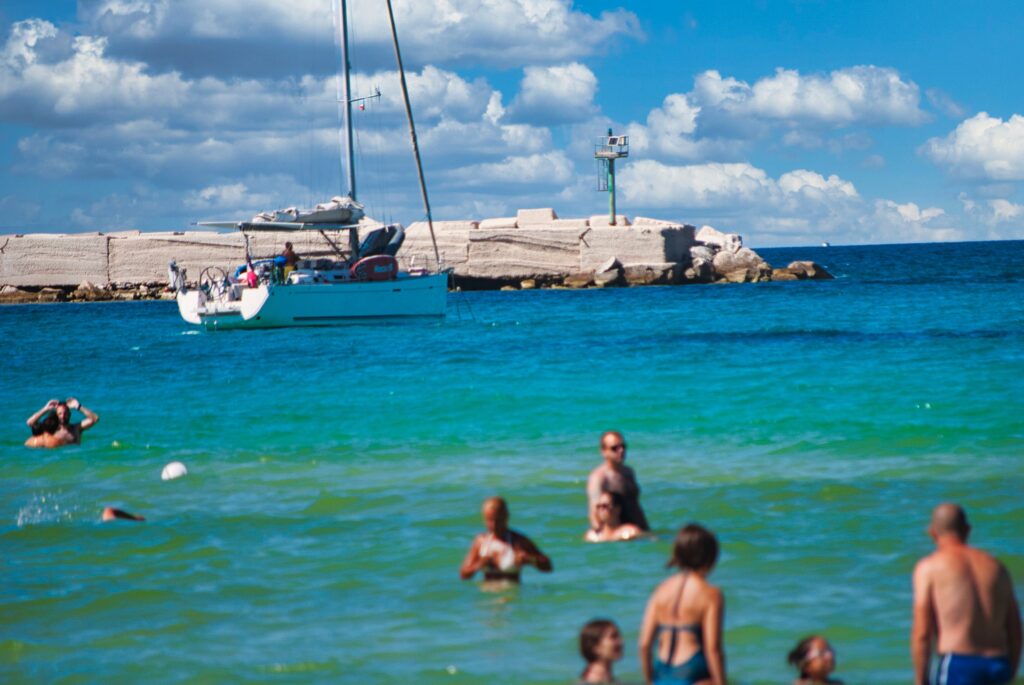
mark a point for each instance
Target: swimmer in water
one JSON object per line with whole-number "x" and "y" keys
{"x": 601, "y": 647}
{"x": 614, "y": 476}
{"x": 112, "y": 514}
{"x": 609, "y": 520}
{"x": 56, "y": 429}
{"x": 815, "y": 659}
{"x": 501, "y": 552}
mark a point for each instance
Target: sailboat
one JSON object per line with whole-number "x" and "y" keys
{"x": 361, "y": 281}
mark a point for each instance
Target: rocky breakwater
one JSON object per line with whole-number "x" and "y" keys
{"x": 536, "y": 248}
{"x": 721, "y": 258}
{"x": 85, "y": 292}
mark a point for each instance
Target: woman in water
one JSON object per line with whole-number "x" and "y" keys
{"x": 683, "y": 621}
{"x": 56, "y": 429}
{"x": 601, "y": 646}
{"x": 815, "y": 659}
{"x": 501, "y": 552}
{"x": 608, "y": 512}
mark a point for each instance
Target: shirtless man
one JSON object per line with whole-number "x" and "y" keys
{"x": 501, "y": 552}
{"x": 614, "y": 476}
{"x": 57, "y": 430}
{"x": 964, "y": 602}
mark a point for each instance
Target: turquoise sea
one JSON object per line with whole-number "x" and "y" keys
{"x": 336, "y": 474}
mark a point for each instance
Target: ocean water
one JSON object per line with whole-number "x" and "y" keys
{"x": 336, "y": 474}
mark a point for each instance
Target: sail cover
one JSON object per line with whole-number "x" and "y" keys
{"x": 340, "y": 210}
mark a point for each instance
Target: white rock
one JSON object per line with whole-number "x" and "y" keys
{"x": 602, "y": 220}
{"x": 611, "y": 264}
{"x": 506, "y": 222}
{"x": 535, "y": 217}
{"x": 730, "y": 242}
{"x": 173, "y": 470}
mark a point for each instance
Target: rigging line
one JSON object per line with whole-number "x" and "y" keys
{"x": 412, "y": 129}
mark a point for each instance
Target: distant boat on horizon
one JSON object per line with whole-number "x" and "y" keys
{"x": 826, "y": 244}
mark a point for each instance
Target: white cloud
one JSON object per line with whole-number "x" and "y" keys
{"x": 720, "y": 115}
{"x": 259, "y": 35}
{"x": 551, "y": 170}
{"x": 718, "y": 185}
{"x": 1006, "y": 211}
{"x": 799, "y": 206}
{"x": 943, "y": 102}
{"x": 860, "y": 94}
{"x": 982, "y": 147}
{"x": 556, "y": 94}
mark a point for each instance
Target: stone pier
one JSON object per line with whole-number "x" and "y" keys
{"x": 535, "y": 248}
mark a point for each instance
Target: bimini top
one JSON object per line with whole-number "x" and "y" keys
{"x": 338, "y": 214}
{"x": 277, "y": 226}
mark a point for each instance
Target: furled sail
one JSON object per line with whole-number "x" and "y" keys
{"x": 340, "y": 210}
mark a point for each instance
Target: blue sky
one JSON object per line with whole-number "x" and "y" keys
{"x": 788, "y": 122}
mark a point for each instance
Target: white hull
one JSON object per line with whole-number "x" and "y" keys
{"x": 321, "y": 304}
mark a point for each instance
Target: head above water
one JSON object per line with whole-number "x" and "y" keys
{"x": 495, "y": 513}
{"x": 600, "y": 640}
{"x": 949, "y": 520}
{"x": 609, "y": 507}
{"x": 695, "y": 549}
{"x": 613, "y": 447}
{"x": 62, "y": 412}
{"x": 814, "y": 658}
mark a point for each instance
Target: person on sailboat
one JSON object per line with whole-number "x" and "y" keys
{"x": 290, "y": 259}
{"x": 56, "y": 429}
{"x": 501, "y": 552}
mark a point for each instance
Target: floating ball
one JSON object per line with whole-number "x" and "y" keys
{"x": 173, "y": 470}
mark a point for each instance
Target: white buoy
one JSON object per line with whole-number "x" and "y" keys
{"x": 173, "y": 470}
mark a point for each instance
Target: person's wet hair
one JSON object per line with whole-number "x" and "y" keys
{"x": 695, "y": 548}
{"x": 798, "y": 655}
{"x": 618, "y": 501}
{"x": 591, "y": 636}
{"x": 49, "y": 423}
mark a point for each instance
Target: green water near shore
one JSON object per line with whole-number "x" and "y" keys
{"x": 336, "y": 475}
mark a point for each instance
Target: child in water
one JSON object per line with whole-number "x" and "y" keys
{"x": 815, "y": 659}
{"x": 601, "y": 646}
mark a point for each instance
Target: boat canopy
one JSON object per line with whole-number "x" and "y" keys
{"x": 248, "y": 226}
{"x": 339, "y": 210}
{"x": 341, "y": 213}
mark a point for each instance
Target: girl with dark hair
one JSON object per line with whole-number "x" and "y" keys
{"x": 600, "y": 646}
{"x": 681, "y": 634}
{"x": 610, "y": 527}
{"x": 815, "y": 659}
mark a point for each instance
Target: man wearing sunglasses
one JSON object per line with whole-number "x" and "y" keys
{"x": 614, "y": 476}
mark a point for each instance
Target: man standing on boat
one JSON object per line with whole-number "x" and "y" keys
{"x": 290, "y": 259}
{"x": 614, "y": 476}
{"x": 964, "y": 604}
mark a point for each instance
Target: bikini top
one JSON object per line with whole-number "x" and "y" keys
{"x": 507, "y": 558}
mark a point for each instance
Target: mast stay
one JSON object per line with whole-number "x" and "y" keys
{"x": 412, "y": 132}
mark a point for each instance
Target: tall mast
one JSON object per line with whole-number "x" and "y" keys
{"x": 412, "y": 132}
{"x": 346, "y": 101}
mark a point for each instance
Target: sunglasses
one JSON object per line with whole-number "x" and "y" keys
{"x": 603, "y": 505}
{"x": 616, "y": 448}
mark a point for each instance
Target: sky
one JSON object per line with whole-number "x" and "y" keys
{"x": 789, "y": 122}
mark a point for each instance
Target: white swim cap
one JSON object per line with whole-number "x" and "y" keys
{"x": 173, "y": 470}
